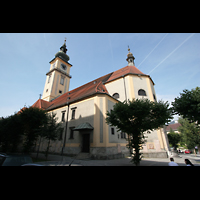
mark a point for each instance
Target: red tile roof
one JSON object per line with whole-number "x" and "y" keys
{"x": 173, "y": 126}
{"x": 40, "y": 103}
{"x": 91, "y": 88}
{"x": 125, "y": 71}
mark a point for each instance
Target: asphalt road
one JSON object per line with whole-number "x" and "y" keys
{"x": 65, "y": 161}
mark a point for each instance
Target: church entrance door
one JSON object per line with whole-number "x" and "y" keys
{"x": 86, "y": 143}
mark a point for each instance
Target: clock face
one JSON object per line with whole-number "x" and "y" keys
{"x": 63, "y": 66}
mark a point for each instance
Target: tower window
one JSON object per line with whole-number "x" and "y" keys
{"x": 116, "y": 96}
{"x": 60, "y": 91}
{"x": 62, "y": 80}
{"x": 142, "y": 92}
{"x": 49, "y": 78}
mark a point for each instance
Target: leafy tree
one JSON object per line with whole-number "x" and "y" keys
{"x": 10, "y": 133}
{"x": 32, "y": 119}
{"x": 174, "y": 138}
{"x": 51, "y": 130}
{"x": 137, "y": 116}
{"x": 190, "y": 133}
{"x": 188, "y": 105}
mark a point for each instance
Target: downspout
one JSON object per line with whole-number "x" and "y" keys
{"x": 65, "y": 130}
{"x": 125, "y": 88}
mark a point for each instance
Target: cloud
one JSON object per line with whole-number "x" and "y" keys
{"x": 153, "y": 49}
{"x": 172, "y": 52}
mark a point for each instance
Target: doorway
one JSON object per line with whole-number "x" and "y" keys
{"x": 86, "y": 143}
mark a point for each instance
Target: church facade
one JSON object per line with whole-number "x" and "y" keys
{"x": 82, "y": 111}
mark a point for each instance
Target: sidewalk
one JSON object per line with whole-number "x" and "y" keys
{"x": 57, "y": 160}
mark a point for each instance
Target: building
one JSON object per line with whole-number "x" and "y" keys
{"x": 174, "y": 126}
{"x": 83, "y": 110}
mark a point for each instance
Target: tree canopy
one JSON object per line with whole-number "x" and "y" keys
{"x": 174, "y": 138}
{"x": 190, "y": 133}
{"x": 188, "y": 104}
{"x": 19, "y": 132}
{"x": 137, "y": 116}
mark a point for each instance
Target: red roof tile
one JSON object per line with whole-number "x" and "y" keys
{"x": 173, "y": 126}
{"x": 40, "y": 103}
{"x": 124, "y": 71}
{"x": 93, "y": 87}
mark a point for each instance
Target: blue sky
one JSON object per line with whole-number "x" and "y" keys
{"x": 171, "y": 59}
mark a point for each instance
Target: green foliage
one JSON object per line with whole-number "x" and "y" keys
{"x": 10, "y": 133}
{"x": 31, "y": 119}
{"x": 190, "y": 133}
{"x": 174, "y": 138}
{"x": 137, "y": 116}
{"x": 188, "y": 104}
{"x": 51, "y": 130}
{"x": 23, "y": 129}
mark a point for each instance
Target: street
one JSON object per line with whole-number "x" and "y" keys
{"x": 57, "y": 160}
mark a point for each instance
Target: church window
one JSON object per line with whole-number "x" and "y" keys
{"x": 62, "y": 80}
{"x": 49, "y": 78}
{"x": 112, "y": 131}
{"x": 60, "y": 91}
{"x": 116, "y": 96}
{"x": 63, "y": 116}
{"x": 123, "y": 135}
{"x": 73, "y": 114}
{"x": 142, "y": 92}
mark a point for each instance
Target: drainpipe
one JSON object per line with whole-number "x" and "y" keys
{"x": 125, "y": 87}
{"x": 65, "y": 130}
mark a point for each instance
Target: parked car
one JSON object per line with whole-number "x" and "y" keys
{"x": 14, "y": 159}
{"x": 188, "y": 151}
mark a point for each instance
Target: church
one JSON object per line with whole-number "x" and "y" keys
{"x": 82, "y": 110}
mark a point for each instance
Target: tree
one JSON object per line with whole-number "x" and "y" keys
{"x": 10, "y": 133}
{"x": 137, "y": 116}
{"x": 32, "y": 120}
{"x": 174, "y": 138}
{"x": 51, "y": 130}
{"x": 190, "y": 133}
{"x": 188, "y": 105}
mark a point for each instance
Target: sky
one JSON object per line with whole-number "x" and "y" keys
{"x": 171, "y": 59}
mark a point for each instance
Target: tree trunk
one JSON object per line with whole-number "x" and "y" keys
{"x": 47, "y": 151}
{"x": 136, "y": 146}
{"x": 38, "y": 148}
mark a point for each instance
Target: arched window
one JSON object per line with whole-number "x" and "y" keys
{"x": 116, "y": 96}
{"x": 142, "y": 92}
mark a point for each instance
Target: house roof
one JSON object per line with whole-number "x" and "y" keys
{"x": 40, "y": 103}
{"x": 125, "y": 71}
{"x": 173, "y": 126}
{"x": 94, "y": 87}
{"x": 91, "y": 88}
{"x": 84, "y": 126}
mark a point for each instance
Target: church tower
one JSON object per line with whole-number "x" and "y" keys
{"x": 58, "y": 77}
